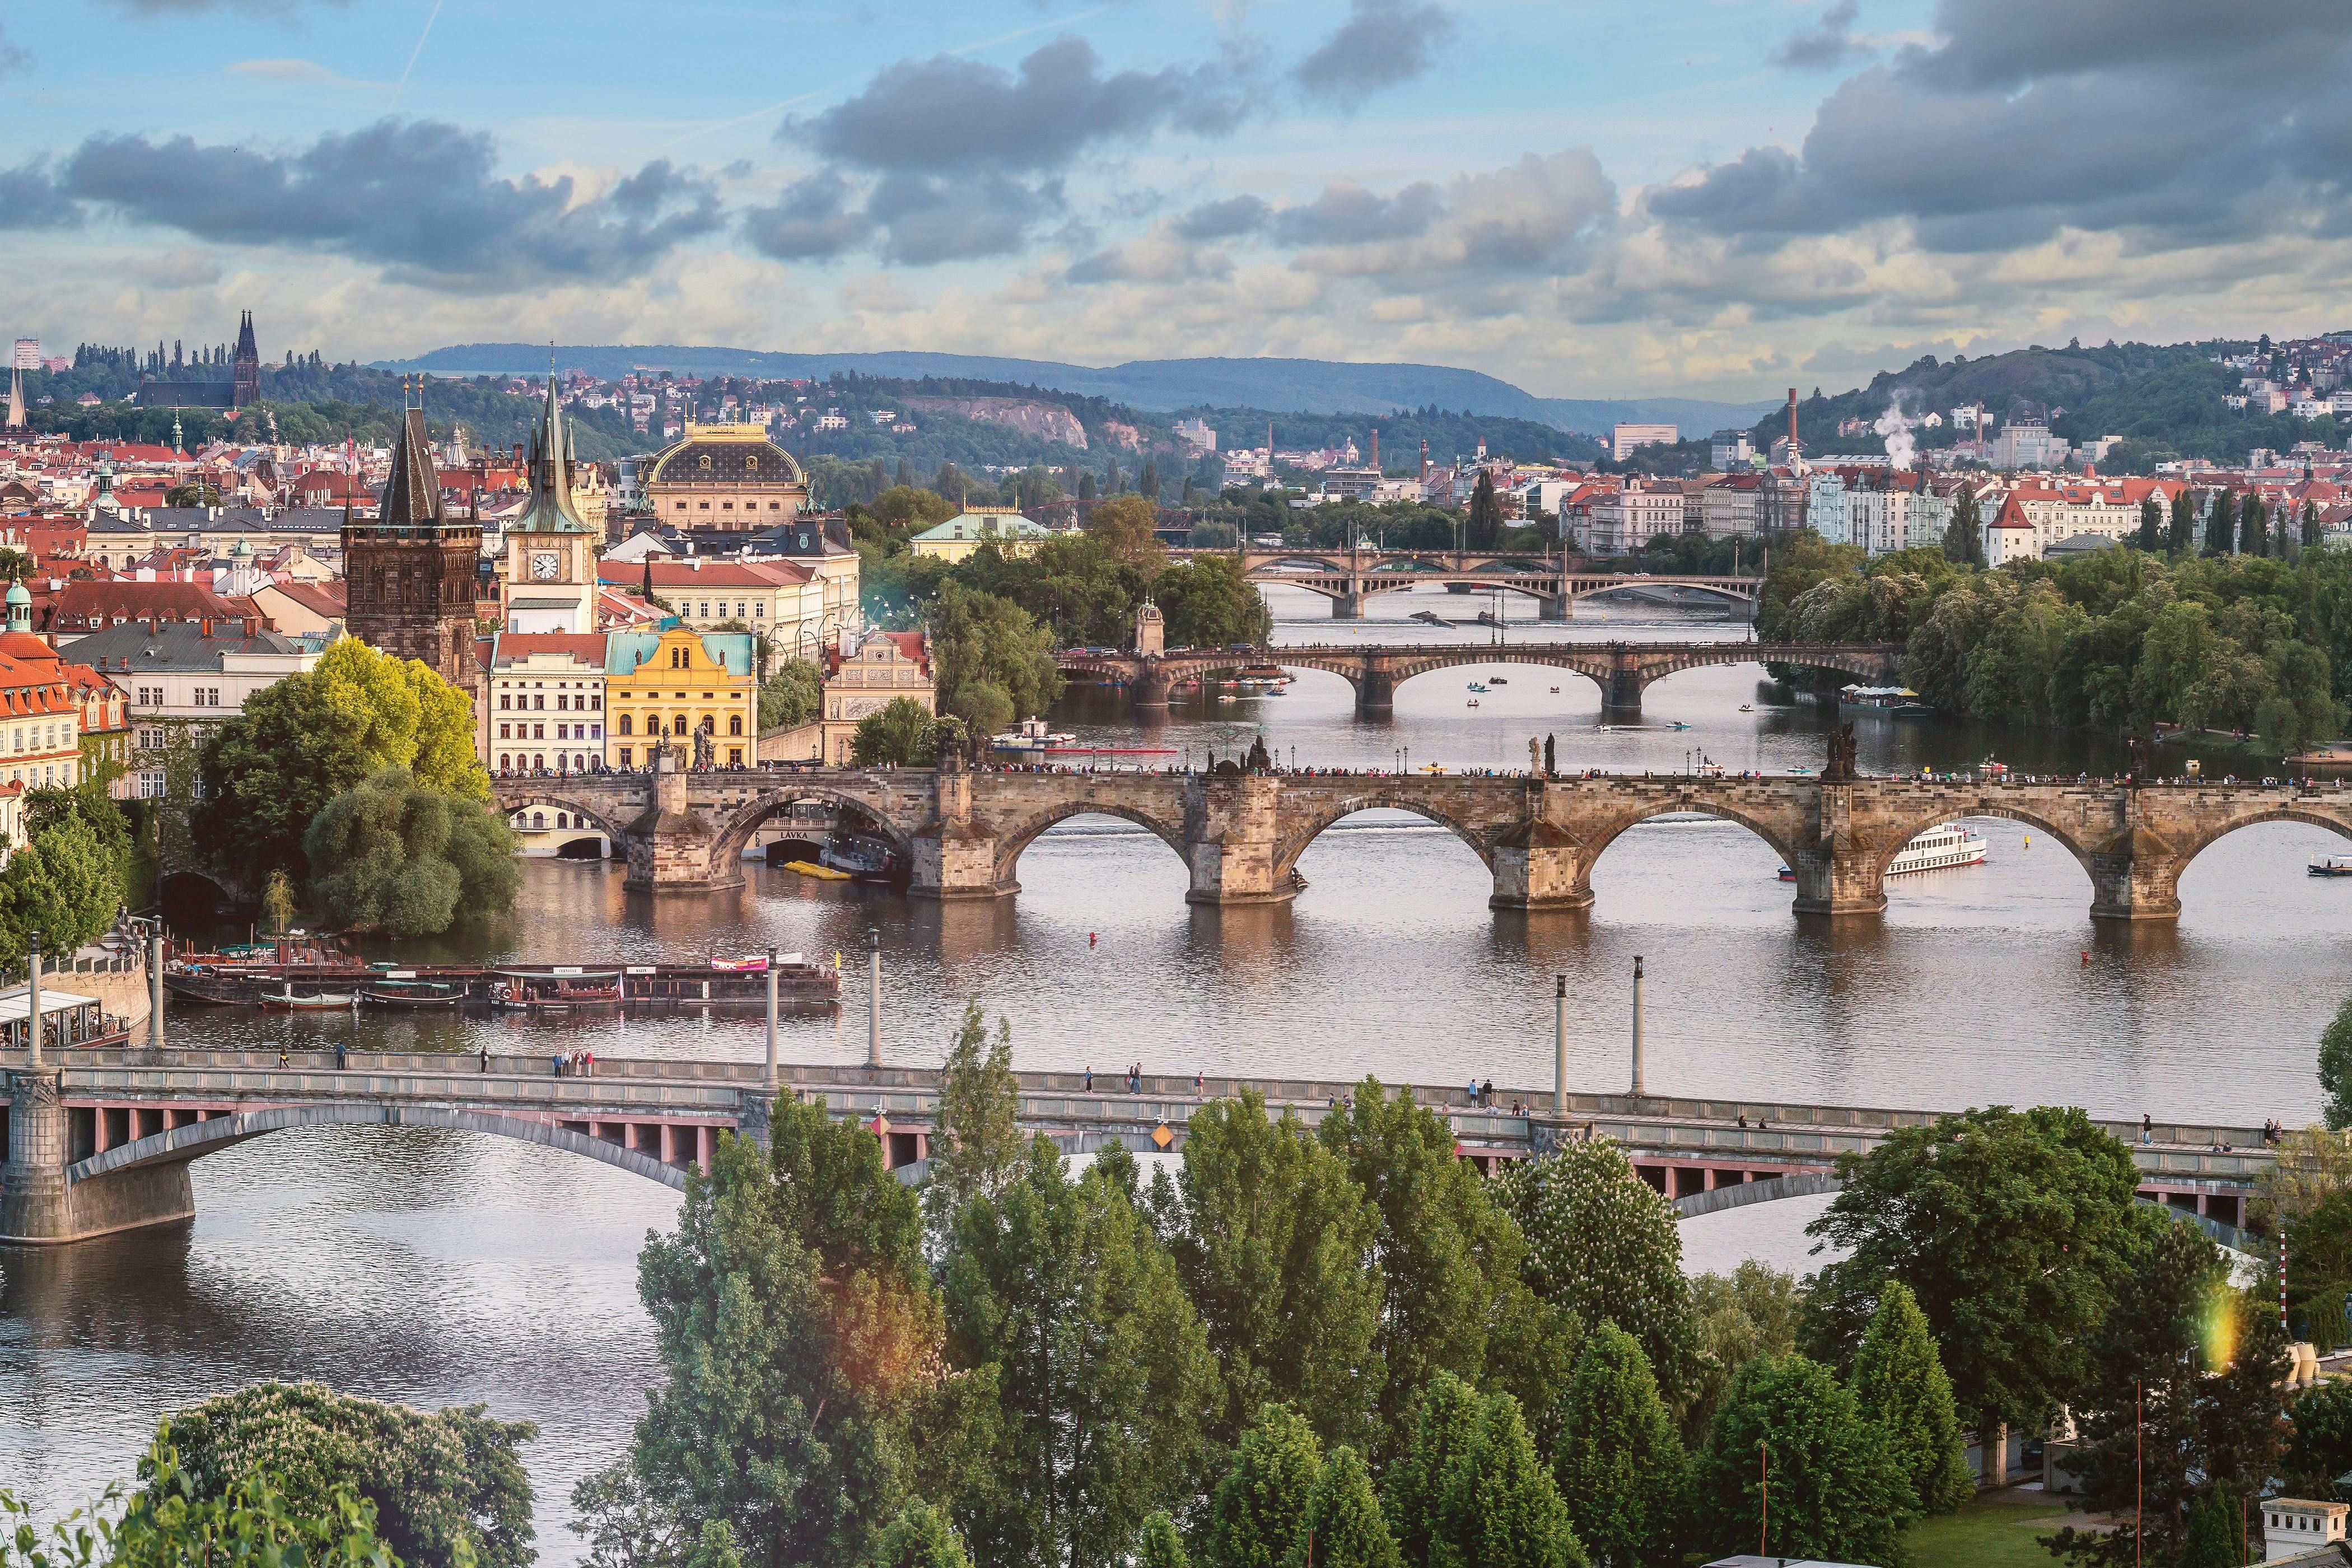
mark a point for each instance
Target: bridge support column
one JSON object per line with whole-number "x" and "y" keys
{"x": 38, "y": 1207}
{"x": 1348, "y": 606}
{"x": 669, "y": 845}
{"x": 955, "y": 858}
{"x": 1229, "y": 842}
{"x": 2136, "y": 877}
{"x": 1153, "y": 688}
{"x": 1539, "y": 867}
{"x": 1375, "y": 692}
{"x": 1620, "y": 694}
{"x": 1560, "y": 606}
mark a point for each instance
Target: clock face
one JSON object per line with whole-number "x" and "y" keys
{"x": 544, "y": 565}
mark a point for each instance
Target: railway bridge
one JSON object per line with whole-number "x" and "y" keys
{"x": 1240, "y": 834}
{"x": 102, "y": 1141}
{"x": 1622, "y": 670}
{"x": 1349, "y": 578}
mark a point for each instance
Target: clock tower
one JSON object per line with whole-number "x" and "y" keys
{"x": 551, "y": 551}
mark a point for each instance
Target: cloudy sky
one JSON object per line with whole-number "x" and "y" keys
{"x": 1612, "y": 197}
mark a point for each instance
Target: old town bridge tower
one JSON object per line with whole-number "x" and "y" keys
{"x": 409, "y": 572}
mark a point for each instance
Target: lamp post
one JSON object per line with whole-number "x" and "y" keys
{"x": 1637, "y": 1025}
{"x": 33, "y": 1006}
{"x": 768, "y": 1081}
{"x": 874, "y": 1010}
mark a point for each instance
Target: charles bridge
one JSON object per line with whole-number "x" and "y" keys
{"x": 1349, "y": 576}
{"x": 1624, "y": 670}
{"x": 99, "y": 1140}
{"x": 1240, "y": 834}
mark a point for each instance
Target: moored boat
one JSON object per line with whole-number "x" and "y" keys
{"x": 2332, "y": 866}
{"x": 1942, "y": 847}
{"x": 397, "y": 991}
{"x": 285, "y": 1001}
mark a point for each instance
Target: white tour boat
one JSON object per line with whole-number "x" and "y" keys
{"x": 1939, "y": 849}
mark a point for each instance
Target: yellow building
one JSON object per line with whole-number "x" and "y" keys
{"x": 974, "y": 526}
{"x": 726, "y": 476}
{"x": 695, "y": 690}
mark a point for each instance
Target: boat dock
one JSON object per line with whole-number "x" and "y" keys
{"x": 238, "y": 983}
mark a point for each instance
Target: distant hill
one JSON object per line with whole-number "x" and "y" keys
{"x": 1302, "y": 385}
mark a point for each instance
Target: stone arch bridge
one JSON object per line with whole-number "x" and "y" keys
{"x": 1239, "y": 836}
{"x": 102, "y": 1140}
{"x": 1622, "y": 670}
{"x": 1349, "y": 577}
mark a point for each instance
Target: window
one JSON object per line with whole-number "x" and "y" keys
{"x": 152, "y": 739}
{"x": 505, "y": 762}
{"x": 504, "y": 702}
{"x": 596, "y": 731}
{"x": 539, "y": 731}
{"x": 539, "y": 703}
{"x": 681, "y": 505}
{"x": 677, "y": 658}
{"x": 506, "y": 731}
{"x": 562, "y": 702}
{"x": 538, "y": 819}
{"x": 703, "y": 609}
{"x": 564, "y": 731}
{"x": 539, "y": 761}
{"x": 150, "y": 784}
{"x": 734, "y": 756}
{"x": 759, "y": 608}
{"x": 625, "y": 757}
{"x": 705, "y": 505}
{"x": 151, "y": 697}
{"x": 596, "y": 703}
{"x": 735, "y": 723}
{"x": 627, "y": 723}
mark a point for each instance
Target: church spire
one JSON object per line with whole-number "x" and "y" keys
{"x": 412, "y": 498}
{"x": 15, "y": 397}
{"x": 551, "y": 510}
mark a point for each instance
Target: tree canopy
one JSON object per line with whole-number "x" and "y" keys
{"x": 399, "y": 857}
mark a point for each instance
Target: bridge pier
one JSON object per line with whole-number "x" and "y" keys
{"x": 1230, "y": 838}
{"x": 1561, "y": 607}
{"x": 670, "y": 846}
{"x": 954, "y": 857}
{"x": 2136, "y": 877}
{"x": 1348, "y": 606}
{"x": 1153, "y": 687}
{"x": 1539, "y": 867}
{"x": 1620, "y": 694}
{"x": 1375, "y": 692}
{"x": 39, "y": 1207}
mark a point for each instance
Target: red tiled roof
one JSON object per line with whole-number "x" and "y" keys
{"x": 87, "y": 606}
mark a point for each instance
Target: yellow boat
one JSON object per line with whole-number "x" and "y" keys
{"x": 810, "y": 869}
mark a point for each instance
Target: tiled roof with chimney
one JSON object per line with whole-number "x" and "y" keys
{"x": 88, "y": 606}
{"x": 177, "y": 646}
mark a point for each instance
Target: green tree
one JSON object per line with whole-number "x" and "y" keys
{"x": 191, "y": 495}
{"x": 1749, "y": 1313}
{"x": 802, "y": 1343}
{"x": 1790, "y": 1456}
{"x": 1148, "y": 485}
{"x": 1061, "y": 1293}
{"x": 1449, "y": 1261}
{"x": 1258, "y": 1512}
{"x": 408, "y": 859}
{"x": 2182, "y": 1401}
{"x": 2302, "y": 711}
{"x": 1501, "y": 1507}
{"x": 791, "y": 696}
{"x": 278, "y": 901}
{"x": 64, "y": 884}
{"x": 1161, "y": 1546}
{"x": 1964, "y": 535}
{"x": 410, "y": 716}
{"x": 449, "y": 1490}
{"x": 2151, "y": 524}
{"x": 921, "y": 1537}
{"x": 273, "y": 768}
{"x": 1274, "y": 1241}
{"x": 2321, "y": 1449}
{"x": 1899, "y": 1383}
{"x": 1485, "y": 525}
{"x": 2221, "y": 523}
{"x": 977, "y": 1149}
{"x": 987, "y": 653}
{"x": 907, "y": 510}
{"x": 168, "y": 1523}
{"x": 1412, "y": 1496}
{"x": 2335, "y": 1067}
{"x": 898, "y": 735}
{"x": 1618, "y": 1460}
{"x": 2184, "y": 522}
{"x": 1344, "y": 1527}
{"x": 1086, "y": 485}
{"x": 2007, "y": 1226}
{"x": 2212, "y": 1538}
{"x": 2253, "y": 526}
{"x": 1603, "y": 1244}
{"x": 1123, "y": 526}
{"x": 2313, "y": 535}
{"x": 1209, "y": 603}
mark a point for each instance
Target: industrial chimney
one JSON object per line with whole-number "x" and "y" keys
{"x": 1376, "y": 448}
{"x": 1792, "y": 414}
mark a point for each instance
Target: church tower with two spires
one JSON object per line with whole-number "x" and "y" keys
{"x": 409, "y": 572}
{"x": 551, "y": 550}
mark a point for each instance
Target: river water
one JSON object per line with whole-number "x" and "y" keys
{"x": 442, "y": 1269}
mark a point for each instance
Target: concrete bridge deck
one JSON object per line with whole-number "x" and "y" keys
{"x": 1239, "y": 836}
{"x": 103, "y": 1141}
{"x": 1347, "y": 577}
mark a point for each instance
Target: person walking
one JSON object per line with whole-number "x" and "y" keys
{"x": 555, "y": 1063}
{"x": 2147, "y": 1128}
{"x": 341, "y": 1061}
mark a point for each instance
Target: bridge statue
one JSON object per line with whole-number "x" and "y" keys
{"x": 1839, "y": 769}
{"x": 1259, "y": 763}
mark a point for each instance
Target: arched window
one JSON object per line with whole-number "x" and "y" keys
{"x": 626, "y": 725}
{"x": 539, "y": 761}
{"x": 677, "y": 658}
{"x": 562, "y": 819}
{"x": 735, "y": 723}
{"x": 538, "y": 819}
{"x": 505, "y": 762}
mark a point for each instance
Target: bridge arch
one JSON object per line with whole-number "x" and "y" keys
{"x": 1597, "y": 845}
{"x": 198, "y": 1139}
{"x": 549, "y": 800}
{"x": 1297, "y": 838}
{"x": 2337, "y": 823}
{"x": 728, "y": 844}
{"x": 1992, "y": 806}
{"x": 1013, "y": 841}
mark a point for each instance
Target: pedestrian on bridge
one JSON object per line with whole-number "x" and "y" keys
{"x": 341, "y": 1061}
{"x": 485, "y": 1058}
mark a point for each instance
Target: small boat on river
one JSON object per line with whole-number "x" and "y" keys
{"x": 2332, "y": 866}
{"x": 395, "y": 991}
{"x": 285, "y": 1001}
{"x": 1942, "y": 847}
